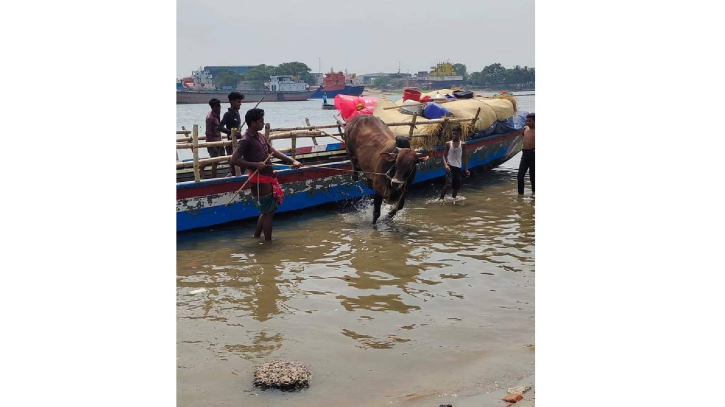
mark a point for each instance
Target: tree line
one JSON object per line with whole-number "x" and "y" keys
{"x": 494, "y": 75}
{"x": 490, "y": 76}
{"x": 261, "y": 73}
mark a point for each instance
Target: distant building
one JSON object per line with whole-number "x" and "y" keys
{"x": 199, "y": 80}
{"x": 369, "y": 77}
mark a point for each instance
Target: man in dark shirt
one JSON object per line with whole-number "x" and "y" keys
{"x": 213, "y": 133}
{"x": 232, "y": 120}
{"x": 253, "y": 153}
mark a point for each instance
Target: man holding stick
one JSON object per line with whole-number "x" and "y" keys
{"x": 231, "y": 121}
{"x": 254, "y": 152}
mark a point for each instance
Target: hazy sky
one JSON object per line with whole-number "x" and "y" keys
{"x": 366, "y": 36}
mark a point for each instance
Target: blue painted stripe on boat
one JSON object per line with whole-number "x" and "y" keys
{"x": 242, "y": 210}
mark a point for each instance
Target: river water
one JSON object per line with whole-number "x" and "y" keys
{"x": 427, "y": 309}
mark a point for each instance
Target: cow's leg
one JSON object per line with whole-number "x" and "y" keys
{"x": 378, "y": 201}
{"x": 356, "y": 168}
{"x": 401, "y": 203}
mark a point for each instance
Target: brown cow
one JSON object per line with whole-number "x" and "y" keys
{"x": 371, "y": 147}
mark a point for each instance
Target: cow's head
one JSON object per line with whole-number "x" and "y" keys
{"x": 405, "y": 160}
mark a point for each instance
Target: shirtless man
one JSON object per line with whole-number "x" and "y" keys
{"x": 252, "y": 153}
{"x": 527, "y": 158}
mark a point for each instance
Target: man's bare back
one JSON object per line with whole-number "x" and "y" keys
{"x": 529, "y": 134}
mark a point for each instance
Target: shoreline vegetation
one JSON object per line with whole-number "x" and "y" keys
{"x": 375, "y": 92}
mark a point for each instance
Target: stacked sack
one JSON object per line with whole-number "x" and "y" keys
{"x": 492, "y": 111}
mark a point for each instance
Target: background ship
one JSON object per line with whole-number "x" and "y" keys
{"x": 280, "y": 88}
{"x": 338, "y": 83}
{"x": 442, "y": 76}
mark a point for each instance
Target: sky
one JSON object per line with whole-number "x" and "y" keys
{"x": 364, "y": 37}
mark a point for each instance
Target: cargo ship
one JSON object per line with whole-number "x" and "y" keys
{"x": 338, "y": 83}
{"x": 280, "y": 88}
{"x": 442, "y": 76}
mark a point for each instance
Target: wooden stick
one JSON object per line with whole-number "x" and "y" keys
{"x": 339, "y": 128}
{"x": 195, "y": 152}
{"x": 255, "y": 106}
{"x": 429, "y": 122}
{"x": 266, "y": 131}
{"x": 235, "y": 170}
{"x": 417, "y": 104}
{"x": 412, "y": 124}
{"x": 294, "y": 145}
{"x": 203, "y": 162}
{"x": 187, "y": 139}
{"x": 289, "y": 134}
{"x": 224, "y": 143}
{"x": 247, "y": 182}
{"x": 314, "y": 140}
{"x": 327, "y": 126}
{"x": 333, "y": 137}
{"x": 475, "y": 119}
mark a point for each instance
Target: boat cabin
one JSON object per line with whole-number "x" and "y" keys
{"x": 284, "y": 83}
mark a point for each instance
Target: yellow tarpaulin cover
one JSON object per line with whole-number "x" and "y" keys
{"x": 491, "y": 110}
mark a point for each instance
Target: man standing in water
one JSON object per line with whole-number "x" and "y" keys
{"x": 213, "y": 133}
{"x": 527, "y": 157}
{"x": 454, "y": 154}
{"x": 253, "y": 153}
{"x": 232, "y": 120}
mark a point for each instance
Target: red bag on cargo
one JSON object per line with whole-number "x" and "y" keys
{"x": 351, "y": 106}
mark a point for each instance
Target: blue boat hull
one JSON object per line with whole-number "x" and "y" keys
{"x": 203, "y": 204}
{"x": 349, "y": 90}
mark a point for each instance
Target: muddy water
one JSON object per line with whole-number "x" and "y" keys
{"x": 434, "y": 305}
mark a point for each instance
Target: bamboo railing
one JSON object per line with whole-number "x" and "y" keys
{"x": 293, "y": 133}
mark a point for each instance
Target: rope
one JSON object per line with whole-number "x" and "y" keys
{"x": 245, "y": 184}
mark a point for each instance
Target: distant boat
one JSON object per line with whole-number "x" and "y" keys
{"x": 328, "y": 106}
{"x": 338, "y": 83}
{"x": 281, "y": 88}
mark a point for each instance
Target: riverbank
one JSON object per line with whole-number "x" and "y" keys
{"x": 373, "y": 92}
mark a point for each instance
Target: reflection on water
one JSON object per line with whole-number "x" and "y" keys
{"x": 425, "y": 303}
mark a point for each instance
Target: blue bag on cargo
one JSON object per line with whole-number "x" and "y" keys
{"x": 435, "y": 111}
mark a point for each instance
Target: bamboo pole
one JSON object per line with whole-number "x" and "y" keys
{"x": 247, "y": 182}
{"x": 339, "y": 128}
{"x": 294, "y": 146}
{"x": 475, "y": 119}
{"x": 429, "y": 122}
{"x": 234, "y": 169}
{"x": 314, "y": 140}
{"x": 183, "y": 131}
{"x": 195, "y": 152}
{"x": 187, "y": 139}
{"x": 181, "y": 146}
{"x": 327, "y": 126}
{"x": 412, "y": 124}
{"x": 203, "y": 162}
{"x": 266, "y": 131}
{"x": 289, "y": 134}
{"x": 417, "y": 104}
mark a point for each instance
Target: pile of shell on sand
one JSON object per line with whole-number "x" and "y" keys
{"x": 282, "y": 374}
